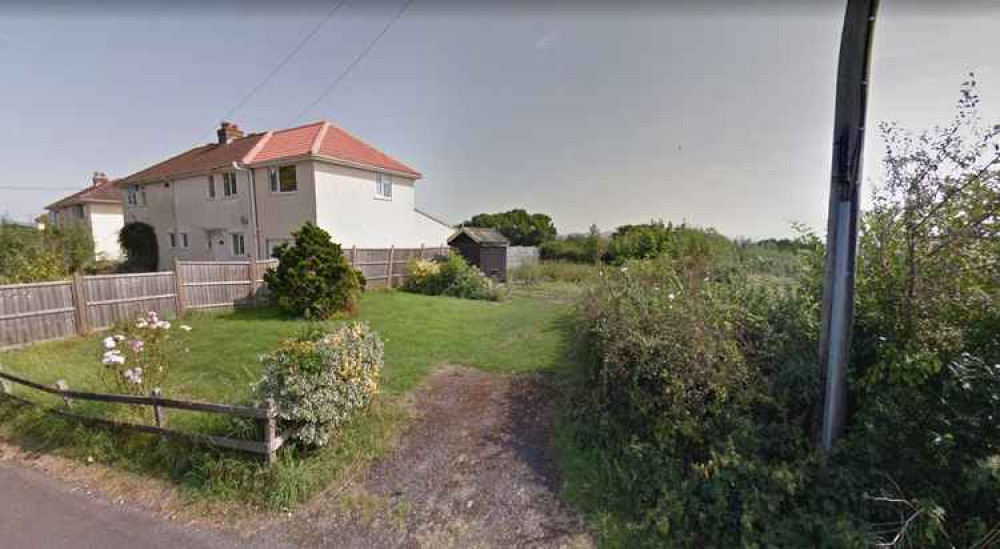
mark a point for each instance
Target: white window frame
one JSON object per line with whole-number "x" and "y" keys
{"x": 273, "y": 243}
{"x": 230, "y": 188}
{"x": 238, "y": 244}
{"x": 274, "y": 179}
{"x": 383, "y": 186}
{"x": 133, "y": 195}
{"x": 211, "y": 187}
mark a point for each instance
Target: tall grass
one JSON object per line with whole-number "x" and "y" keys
{"x": 554, "y": 271}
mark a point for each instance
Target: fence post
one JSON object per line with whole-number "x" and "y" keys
{"x": 252, "y": 273}
{"x": 354, "y": 256}
{"x": 79, "y": 304}
{"x": 6, "y": 387}
{"x": 63, "y": 386}
{"x": 388, "y": 274}
{"x": 159, "y": 414}
{"x": 179, "y": 289}
{"x": 271, "y": 432}
{"x": 421, "y": 250}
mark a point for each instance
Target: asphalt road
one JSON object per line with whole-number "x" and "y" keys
{"x": 36, "y": 511}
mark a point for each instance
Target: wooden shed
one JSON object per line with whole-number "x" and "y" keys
{"x": 484, "y": 248}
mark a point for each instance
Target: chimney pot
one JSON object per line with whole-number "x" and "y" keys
{"x": 99, "y": 178}
{"x": 228, "y": 131}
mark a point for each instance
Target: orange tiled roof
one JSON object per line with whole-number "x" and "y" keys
{"x": 317, "y": 139}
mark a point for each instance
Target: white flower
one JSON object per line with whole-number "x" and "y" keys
{"x": 112, "y": 357}
{"x": 163, "y": 324}
{"x": 624, "y": 269}
{"x": 185, "y": 327}
{"x": 670, "y": 296}
{"x": 133, "y": 375}
{"x": 141, "y": 324}
{"x": 119, "y": 337}
{"x": 109, "y": 343}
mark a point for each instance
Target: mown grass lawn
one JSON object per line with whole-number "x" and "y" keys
{"x": 529, "y": 331}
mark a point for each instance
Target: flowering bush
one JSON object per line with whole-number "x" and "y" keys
{"x": 320, "y": 380}
{"x": 450, "y": 276}
{"x": 136, "y": 357}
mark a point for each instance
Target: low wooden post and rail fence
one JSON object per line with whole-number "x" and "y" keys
{"x": 265, "y": 415}
{"x": 55, "y": 310}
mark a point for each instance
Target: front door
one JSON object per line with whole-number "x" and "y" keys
{"x": 217, "y": 245}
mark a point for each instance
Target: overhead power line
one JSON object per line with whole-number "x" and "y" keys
{"x": 26, "y": 188}
{"x": 288, "y": 57}
{"x": 347, "y": 70}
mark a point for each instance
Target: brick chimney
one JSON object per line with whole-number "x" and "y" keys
{"x": 227, "y": 132}
{"x": 100, "y": 178}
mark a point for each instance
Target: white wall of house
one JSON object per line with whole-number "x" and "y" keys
{"x": 102, "y": 221}
{"x": 281, "y": 213}
{"x": 106, "y": 221}
{"x": 339, "y": 199}
{"x": 348, "y": 208}
{"x": 184, "y": 207}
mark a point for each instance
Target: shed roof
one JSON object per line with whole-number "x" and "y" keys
{"x": 482, "y": 235}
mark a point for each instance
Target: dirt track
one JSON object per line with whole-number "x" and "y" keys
{"x": 474, "y": 469}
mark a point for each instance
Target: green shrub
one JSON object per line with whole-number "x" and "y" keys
{"x": 313, "y": 279}
{"x": 31, "y": 255}
{"x": 655, "y": 239}
{"x": 142, "y": 252}
{"x": 319, "y": 382}
{"x": 450, "y": 276}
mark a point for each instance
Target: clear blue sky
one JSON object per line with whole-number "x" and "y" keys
{"x": 721, "y": 117}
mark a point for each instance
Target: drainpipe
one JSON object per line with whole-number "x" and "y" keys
{"x": 173, "y": 214}
{"x": 253, "y": 207}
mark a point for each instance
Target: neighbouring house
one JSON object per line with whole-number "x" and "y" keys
{"x": 485, "y": 248}
{"x": 98, "y": 208}
{"x": 243, "y": 195}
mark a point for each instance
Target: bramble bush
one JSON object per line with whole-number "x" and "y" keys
{"x": 321, "y": 379}
{"x": 451, "y": 276}
{"x": 313, "y": 279}
{"x": 701, "y": 397}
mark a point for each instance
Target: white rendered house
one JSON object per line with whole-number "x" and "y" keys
{"x": 98, "y": 208}
{"x": 245, "y": 194}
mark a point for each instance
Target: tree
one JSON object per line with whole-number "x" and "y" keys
{"x": 142, "y": 252}
{"x": 313, "y": 279}
{"x": 520, "y": 227}
{"x": 31, "y": 255}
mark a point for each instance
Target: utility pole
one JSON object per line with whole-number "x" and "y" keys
{"x": 842, "y": 220}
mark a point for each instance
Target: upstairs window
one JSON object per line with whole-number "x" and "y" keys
{"x": 173, "y": 240}
{"x": 283, "y": 180}
{"x": 229, "y": 184}
{"x": 383, "y": 185}
{"x": 184, "y": 240}
{"x": 133, "y": 195}
{"x": 239, "y": 245}
{"x": 211, "y": 186}
{"x": 78, "y": 210}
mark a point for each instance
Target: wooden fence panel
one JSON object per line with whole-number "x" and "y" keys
{"x": 37, "y": 312}
{"x": 32, "y": 312}
{"x": 111, "y": 298}
{"x": 210, "y": 284}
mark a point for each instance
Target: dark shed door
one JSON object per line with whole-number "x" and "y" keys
{"x": 493, "y": 262}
